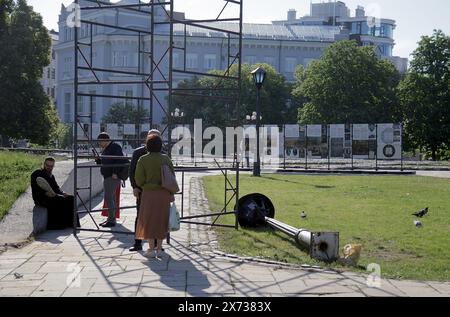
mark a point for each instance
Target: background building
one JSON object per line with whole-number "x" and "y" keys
{"x": 48, "y": 80}
{"x": 282, "y": 44}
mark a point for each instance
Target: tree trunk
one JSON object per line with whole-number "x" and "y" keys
{"x": 433, "y": 154}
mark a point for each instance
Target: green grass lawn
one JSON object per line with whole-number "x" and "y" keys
{"x": 374, "y": 211}
{"x": 15, "y": 171}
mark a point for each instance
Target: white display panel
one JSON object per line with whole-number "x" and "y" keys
{"x": 113, "y": 130}
{"x": 314, "y": 131}
{"x": 292, "y": 131}
{"x": 129, "y": 129}
{"x": 389, "y": 141}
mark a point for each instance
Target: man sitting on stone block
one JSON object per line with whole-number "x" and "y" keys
{"x": 46, "y": 193}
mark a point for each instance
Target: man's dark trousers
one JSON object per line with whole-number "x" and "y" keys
{"x": 137, "y": 242}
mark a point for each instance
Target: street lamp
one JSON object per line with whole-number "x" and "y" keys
{"x": 259, "y": 75}
{"x": 252, "y": 117}
{"x": 177, "y": 114}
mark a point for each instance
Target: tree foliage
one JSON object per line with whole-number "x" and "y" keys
{"x": 216, "y": 111}
{"x": 25, "y": 109}
{"x": 349, "y": 84}
{"x": 125, "y": 113}
{"x": 425, "y": 94}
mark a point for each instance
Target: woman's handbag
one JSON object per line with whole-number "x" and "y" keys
{"x": 174, "y": 218}
{"x": 168, "y": 180}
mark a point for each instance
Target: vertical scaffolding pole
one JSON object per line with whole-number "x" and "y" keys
{"x": 376, "y": 148}
{"x": 401, "y": 146}
{"x": 169, "y": 120}
{"x": 75, "y": 122}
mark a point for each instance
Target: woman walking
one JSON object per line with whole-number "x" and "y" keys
{"x": 153, "y": 219}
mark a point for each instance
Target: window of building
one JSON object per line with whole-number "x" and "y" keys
{"x": 126, "y": 93}
{"x": 250, "y": 59}
{"x": 307, "y": 62}
{"x": 48, "y": 91}
{"x": 67, "y": 99}
{"x": 177, "y": 60}
{"x": 53, "y": 73}
{"x": 290, "y": 64}
{"x": 48, "y": 72}
{"x": 385, "y": 49}
{"x": 270, "y": 60}
{"x": 93, "y": 104}
{"x": 120, "y": 59}
{"x": 53, "y": 55}
{"x": 53, "y": 92}
{"x": 67, "y": 63}
{"x": 210, "y": 61}
{"x": 80, "y": 105}
{"x": 94, "y": 27}
{"x": 192, "y": 61}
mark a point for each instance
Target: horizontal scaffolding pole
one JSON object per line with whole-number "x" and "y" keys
{"x": 234, "y": 1}
{"x": 110, "y": 5}
{"x": 106, "y": 70}
{"x": 113, "y": 96}
{"x": 205, "y": 21}
{"x": 106, "y": 231}
{"x": 206, "y": 89}
{"x": 209, "y": 28}
{"x": 102, "y": 209}
{"x": 204, "y": 96}
{"x": 116, "y": 27}
{"x": 126, "y": 6}
{"x": 209, "y": 215}
{"x": 206, "y": 224}
{"x": 122, "y": 82}
{"x": 180, "y": 71}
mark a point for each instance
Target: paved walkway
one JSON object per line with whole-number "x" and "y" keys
{"x": 99, "y": 264}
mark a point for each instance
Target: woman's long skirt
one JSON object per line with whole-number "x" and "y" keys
{"x": 153, "y": 220}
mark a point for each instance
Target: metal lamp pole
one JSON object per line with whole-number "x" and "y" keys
{"x": 259, "y": 75}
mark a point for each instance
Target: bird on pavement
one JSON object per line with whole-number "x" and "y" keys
{"x": 18, "y": 275}
{"x": 421, "y": 213}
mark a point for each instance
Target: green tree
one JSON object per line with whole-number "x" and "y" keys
{"x": 125, "y": 113}
{"x": 425, "y": 94}
{"x": 348, "y": 84}
{"x": 25, "y": 110}
{"x": 216, "y": 111}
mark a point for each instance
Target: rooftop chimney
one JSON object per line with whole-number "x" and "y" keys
{"x": 292, "y": 15}
{"x": 360, "y": 12}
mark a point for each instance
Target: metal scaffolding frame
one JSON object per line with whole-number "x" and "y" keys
{"x": 148, "y": 80}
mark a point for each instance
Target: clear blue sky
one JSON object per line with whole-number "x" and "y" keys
{"x": 414, "y": 18}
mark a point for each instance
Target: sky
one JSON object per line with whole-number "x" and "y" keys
{"x": 414, "y": 17}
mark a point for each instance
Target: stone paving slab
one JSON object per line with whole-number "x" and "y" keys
{"x": 191, "y": 267}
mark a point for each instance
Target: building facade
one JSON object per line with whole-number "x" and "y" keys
{"x": 282, "y": 44}
{"x": 49, "y": 81}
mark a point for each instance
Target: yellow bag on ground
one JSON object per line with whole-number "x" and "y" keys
{"x": 352, "y": 252}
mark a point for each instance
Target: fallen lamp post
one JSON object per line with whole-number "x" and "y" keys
{"x": 256, "y": 210}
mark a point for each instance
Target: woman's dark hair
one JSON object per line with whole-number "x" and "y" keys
{"x": 154, "y": 144}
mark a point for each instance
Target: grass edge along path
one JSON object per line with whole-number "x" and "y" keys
{"x": 15, "y": 171}
{"x": 374, "y": 211}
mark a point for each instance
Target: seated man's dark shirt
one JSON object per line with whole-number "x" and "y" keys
{"x": 39, "y": 196}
